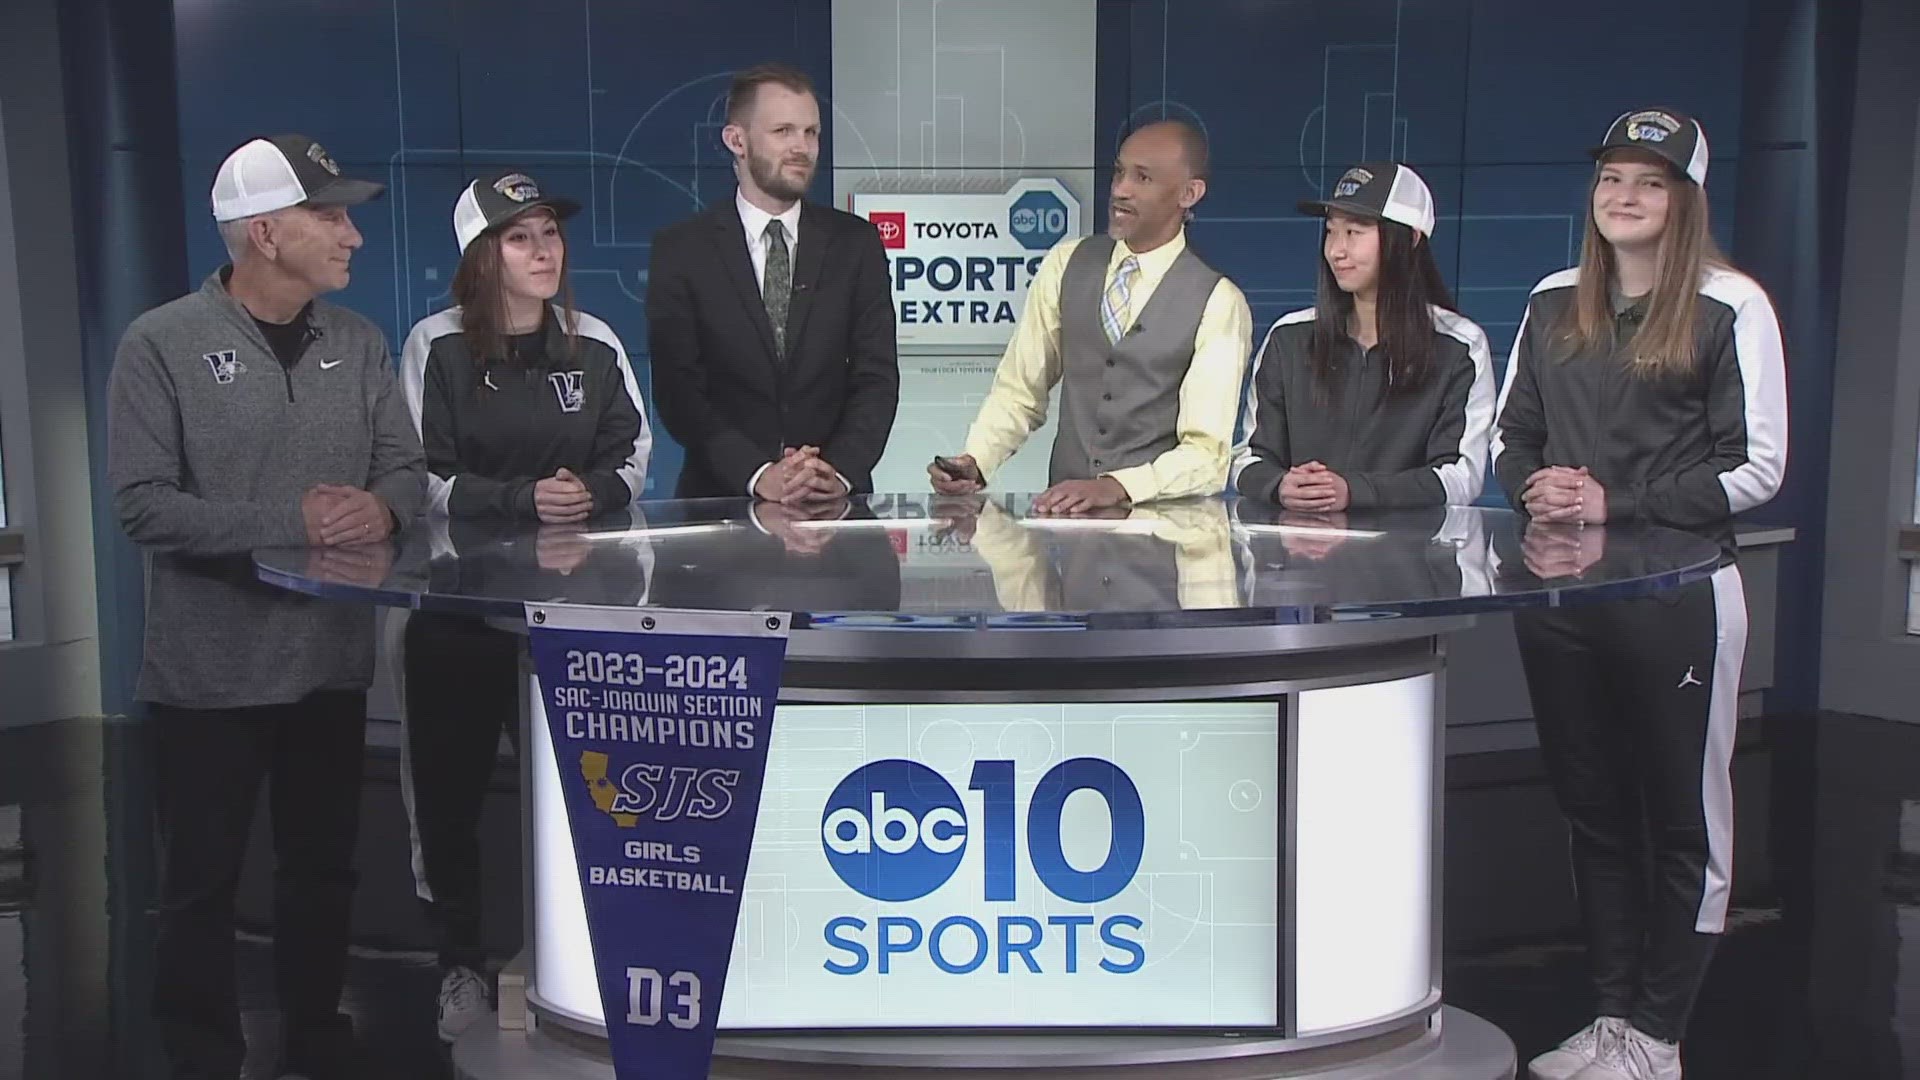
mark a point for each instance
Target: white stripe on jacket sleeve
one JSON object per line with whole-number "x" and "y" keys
{"x": 1763, "y": 378}
{"x": 634, "y": 469}
{"x": 1463, "y": 478}
{"x": 1243, "y": 452}
{"x": 413, "y": 384}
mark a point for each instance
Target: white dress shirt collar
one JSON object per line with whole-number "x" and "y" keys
{"x": 754, "y": 220}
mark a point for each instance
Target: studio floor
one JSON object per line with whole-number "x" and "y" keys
{"x": 1819, "y": 976}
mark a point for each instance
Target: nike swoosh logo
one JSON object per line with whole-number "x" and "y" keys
{"x": 329, "y": 365}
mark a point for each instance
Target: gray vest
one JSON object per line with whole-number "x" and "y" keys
{"x": 1120, "y": 404}
{"x": 1121, "y": 573}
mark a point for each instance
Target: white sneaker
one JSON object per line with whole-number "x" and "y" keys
{"x": 463, "y": 999}
{"x": 1634, "y": 1055}
{"x": 1578, "y": 1052}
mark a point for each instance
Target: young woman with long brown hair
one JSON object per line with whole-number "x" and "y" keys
{"x": 1647, "y": 386}
{"x": 531, "y": 417}
{"x": 1380, "y": 395}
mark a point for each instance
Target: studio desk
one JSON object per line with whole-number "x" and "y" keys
{"x": 1270, "y": 687}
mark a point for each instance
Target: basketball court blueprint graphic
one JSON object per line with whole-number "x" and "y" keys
{"x": 1494, "y": 103}
{"x": 619, "y": 102}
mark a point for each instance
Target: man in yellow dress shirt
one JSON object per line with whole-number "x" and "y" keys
{"x": 1149, "y": 341}
{"x": 1174, "y": 554}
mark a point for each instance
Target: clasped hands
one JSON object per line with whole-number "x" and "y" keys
{"x": 563, "y": 502}
{"x": 1561, "y": 500}
{"x": 345, "y": 529}
{"x": 337, "y": 514}
{"x": 562, "y": 499}
{"x": 800, "y": 476}
{"x": 1330, "y": 531}
{"x": 1559, "y": 493}
{"x": 1312, "y": 488}
{"x": 1561, "y": 549}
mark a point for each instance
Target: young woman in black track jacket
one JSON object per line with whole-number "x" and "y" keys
{"x": 1647, "y": 386}
{"x": 1380, "y": 395}
{"x": 532, "y": 423}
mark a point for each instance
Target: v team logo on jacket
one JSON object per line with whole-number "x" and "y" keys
{"x": 567, "y": 387}
{"x": 225, "y": 364}
{"x": 493, "y": 428}
{"x": 205, "y": 470}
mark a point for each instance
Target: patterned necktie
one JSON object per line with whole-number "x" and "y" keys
{"x": 1113, "y": 305}
{"x": 776, "y": 289}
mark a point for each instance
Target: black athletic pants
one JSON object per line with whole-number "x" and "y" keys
{"x": 208, "y": 765}
{"x": 462, "y": 691}
{"x": 1636, "y": 705}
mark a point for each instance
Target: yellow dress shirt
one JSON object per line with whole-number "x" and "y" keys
{"x": 1209, "y": 395}
{"x": 1024, "y": 578}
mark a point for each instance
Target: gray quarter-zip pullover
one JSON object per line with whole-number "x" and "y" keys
{"x": 212, "y": 443}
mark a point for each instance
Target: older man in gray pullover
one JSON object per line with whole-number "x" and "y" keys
{"x": 252, "y": 414}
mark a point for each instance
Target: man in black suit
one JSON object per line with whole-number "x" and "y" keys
{"x": 781, "y": 566}
{"x": 770, "y": 318}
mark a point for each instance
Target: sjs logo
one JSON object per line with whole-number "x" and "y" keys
{"x": 646, "y": 790}
{"x": 517, "y": 186}
{"x": 897, "y": 831}
{"x": 1651, "y": 127}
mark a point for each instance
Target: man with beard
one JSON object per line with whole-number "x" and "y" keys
{"x": 770, "y": 320}
{"x": 1145, "y": 340}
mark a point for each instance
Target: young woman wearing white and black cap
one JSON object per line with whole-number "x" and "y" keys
{"x": 1647, "y": 386}
{"x": 1380, "y": 395}
{"x": 529, "y": 413}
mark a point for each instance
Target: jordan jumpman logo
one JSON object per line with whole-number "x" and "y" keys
{"x": 1688, "y": 679}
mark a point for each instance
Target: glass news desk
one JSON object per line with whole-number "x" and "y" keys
{"x": 1270, "y": 683}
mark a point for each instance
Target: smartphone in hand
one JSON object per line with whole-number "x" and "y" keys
{"x": 958, "y": 470}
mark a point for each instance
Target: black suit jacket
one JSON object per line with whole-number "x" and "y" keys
{"x": 722, "y": 392}
{"x": 857, "y": 570}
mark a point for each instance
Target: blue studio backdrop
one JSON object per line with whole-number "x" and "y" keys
{"x": 622, "y": 103}
{"x": 1494, "y": 101}
{"x": 616, "y": 102}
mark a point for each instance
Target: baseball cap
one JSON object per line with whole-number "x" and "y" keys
{"x": 1379, "y": 190}
{"x": 497, "y": 199}
{"x": 281, "y": 171}
{"x": 1673, "y": 136}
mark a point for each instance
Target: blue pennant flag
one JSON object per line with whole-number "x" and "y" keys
{"x": 660, "y": 723}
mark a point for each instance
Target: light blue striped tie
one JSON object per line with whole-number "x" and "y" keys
{"x": 1113, "y": 305}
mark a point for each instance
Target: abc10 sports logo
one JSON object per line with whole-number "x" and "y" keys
{"x": 895, "y": 831}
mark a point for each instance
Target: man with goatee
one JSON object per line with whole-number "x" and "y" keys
{"x": 1147, "y": 343}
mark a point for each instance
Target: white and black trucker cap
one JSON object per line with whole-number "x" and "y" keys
{"x": 1380, "y": 190}
{"x": 499, "y": 198}
{"x": 274, "y": 173}
{"x": 1673, "y": 136}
